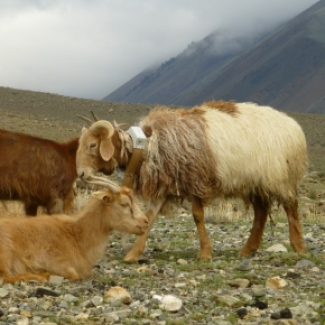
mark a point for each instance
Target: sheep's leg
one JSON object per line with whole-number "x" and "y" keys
{"x": 205, "y": 243}
{"x": 295, "y": 231}
{"x": 261, "y": 210}
{"x": 139, "y": 246}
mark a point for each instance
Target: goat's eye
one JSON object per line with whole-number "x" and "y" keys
{"x": 92, "y": 145}
{"x": 125, "y": 205}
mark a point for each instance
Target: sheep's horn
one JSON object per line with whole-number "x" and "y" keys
{"x": 99, "y": 126}
{"x": 94, "y": 116}
{"x": 89, "y": 121}
{"x": 95, "y": 180}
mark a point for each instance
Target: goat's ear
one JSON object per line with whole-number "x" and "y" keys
{"x": 106, "y": 149}
{"x": 83, "y": 130}
{"x": 103, "y": 195}
{"x": 107, "y": 198}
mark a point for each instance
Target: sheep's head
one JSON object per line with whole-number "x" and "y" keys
{"x": 95, "y": 150}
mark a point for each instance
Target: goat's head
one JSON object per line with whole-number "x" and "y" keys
{"x": 121, "y": 212}
{"x": 95, "y": 150}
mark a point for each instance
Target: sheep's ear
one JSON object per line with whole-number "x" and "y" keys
{"x": 106, "y": 149}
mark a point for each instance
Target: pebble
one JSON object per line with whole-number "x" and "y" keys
{"x": 170, "y": 303}
{"x": 239, "y": 283}
{"x": 3, "y": 293}
{"x": 304, "y": 264}
{"x": 56, "y": 280}
{"x": 276, "y": 248}
{"x": 118, "y": 293}
{"x": 245, "y": 265}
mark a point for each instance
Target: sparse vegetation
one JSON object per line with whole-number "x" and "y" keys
{"x": 228, "y": 223}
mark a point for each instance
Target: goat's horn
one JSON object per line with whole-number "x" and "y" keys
{"x": 89, "y": 121}
{"x": 94, "y": 116}
{"x": 123, "y": 124}
{"x": 97, "y": 127}
{"x": 95, "y": 180}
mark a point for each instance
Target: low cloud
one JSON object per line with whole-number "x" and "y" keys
{"x": 88, "y": 48}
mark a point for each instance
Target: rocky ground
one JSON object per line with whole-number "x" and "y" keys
{"x": 169, "y": 286}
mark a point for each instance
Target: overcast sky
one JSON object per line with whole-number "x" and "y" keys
{"x": 88, "y": 48}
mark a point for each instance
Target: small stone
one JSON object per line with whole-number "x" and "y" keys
{"x": 258, "y": 291}
{"x": 82, "y": 316}
{"x": 192, "y": 283}
{"x": 239, "y": 283}
{"x": 155, "y": 313}
{"x": 245, "y": 265}
{"x": 171, "y": 303}
{"x": 26, "y": 313}
{"x": 41, "y": 292}
{"x": 97, "y": 301}
{"x": 275, "y": 316}
{"x": 56, "y": 280}
{"x": 70, "y": 298}
{"x": 287, "y": 322}
{"x": 229, "y": 300}
{"x": 276, "y": 248}
{"x": 259, "y": 304}
{"x": 22, "y": 321}
{"x": 181, "y": 262}
{"x": 3, "y": 293}
{"x": 276, "y": 283}
{"x": 118, "y": 293}
{"x": 180, "y": 285}
{"x": 111, "y": 318}
{"x": 304, "y": 264}
{"x": 285, "y": 313}
{"x": 241, "y": 312}
{"x": 291, "y": 274}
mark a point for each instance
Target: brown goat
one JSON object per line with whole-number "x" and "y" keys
{"x": 37, "y": 171}
{"x": 218, "y": 149}
{"x": 35, "y": 248}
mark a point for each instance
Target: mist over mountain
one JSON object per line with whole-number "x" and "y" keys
{"x": 284, "y": 69}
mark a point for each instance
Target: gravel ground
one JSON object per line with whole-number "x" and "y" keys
{"x": 169, "y": 286}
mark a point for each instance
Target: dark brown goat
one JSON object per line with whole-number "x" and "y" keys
{"x": 37, "y": 171}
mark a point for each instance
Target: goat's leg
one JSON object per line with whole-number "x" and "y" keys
{"x": 261, "y": 210}
{"x": 67, "y": 272}
{"x": 30, "y": 209}
{"x": 41, "y": 277}
{"x": 205, "y": 243}
{"x": 133, "y": 255}
{"x": 295, "y": 231}
{"x": 69, "y": 202}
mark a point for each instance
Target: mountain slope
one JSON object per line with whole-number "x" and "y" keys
{"x": 165, "y": 83}
{"x": 286, "y": 69}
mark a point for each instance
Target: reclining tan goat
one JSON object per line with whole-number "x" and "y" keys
{"x": 35, "y": 248}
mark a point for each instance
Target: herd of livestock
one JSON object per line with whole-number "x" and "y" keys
{"x": 219, "y": 149}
